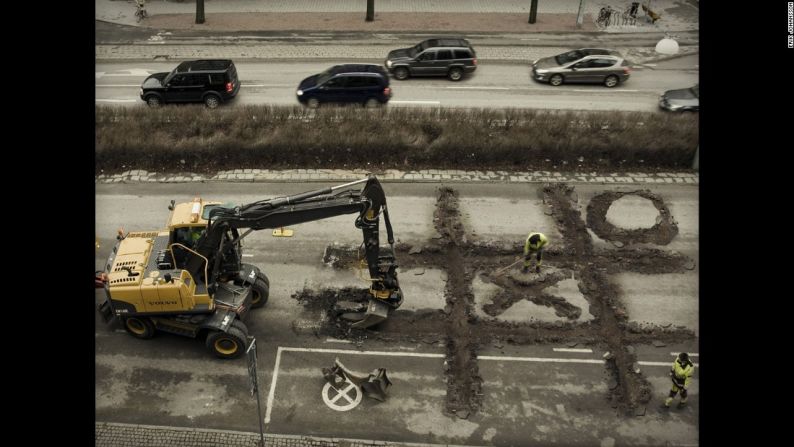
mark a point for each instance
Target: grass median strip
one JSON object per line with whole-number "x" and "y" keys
{"x": 192, "y": 138}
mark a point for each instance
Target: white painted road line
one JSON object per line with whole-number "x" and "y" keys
{"x": 116, "y": 100}
{"x": 691, "y": 354}
{"x": 248, "y": 256}
{"x": 661, "y": 363}
{"x": 481, "y": 88}
{"x": 118, "y": 85}
{"x": 348, "y": 351}
{"x": 589, "y": 351}
{"x": 272, "y": 392}
{"x": 538, "y": 359}
{"x": 336, "y": 340}
{"x": 604, "y": 91}
{"x": 415, "y": 102}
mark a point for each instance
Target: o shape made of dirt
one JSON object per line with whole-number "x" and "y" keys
{"x": 660, "y": 234}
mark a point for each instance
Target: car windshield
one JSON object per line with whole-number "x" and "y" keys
{"x": 696, "y": 91}
{"x": 570, "y": 56}
{"x": 324, "y": 76}
{"x": 415, "y": 50}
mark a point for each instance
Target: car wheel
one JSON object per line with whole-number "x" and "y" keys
{"x": 401, "y": 73}
{"x": 153, "y": 101}
{"x": 313, "y": 103}
{"x": 372, "y": 103}
{"x": 555, "y": 80}
{"x": 211, "y": 101}
{"x": 611, "y": 81}
{"x": 456, "y": 74}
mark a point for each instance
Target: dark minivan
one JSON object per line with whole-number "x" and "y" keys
{"x": 450, "y": 57}
{"x": 366, "y": 84}
{"x": 211, "y": 81}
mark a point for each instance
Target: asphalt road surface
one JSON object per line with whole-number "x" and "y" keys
{"x": 493, "y": 85}
{"x": 549, "y": 393}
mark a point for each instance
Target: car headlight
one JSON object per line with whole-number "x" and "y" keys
{"x": 541, "y": 72}
{"x": 141, "y": 91}
{"x": 299, "y": 92}
{"x": 388, "y": 64}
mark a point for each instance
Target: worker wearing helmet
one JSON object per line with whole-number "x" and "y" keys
{"x": 534, "y": 246}
{"x": 681, "y": 374}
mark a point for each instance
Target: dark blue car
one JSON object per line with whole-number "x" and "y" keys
{"x": 366, "y": 84}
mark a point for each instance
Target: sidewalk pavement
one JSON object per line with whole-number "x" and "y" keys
{"x": 395, "y": 176}
{"x": 398, "y": 15}
{"x": 108, "y": 434}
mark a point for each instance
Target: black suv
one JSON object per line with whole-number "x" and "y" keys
{"x": 433, "y": 57}
{"x": 209, "y": 81}
{"x": 366, "y": 84}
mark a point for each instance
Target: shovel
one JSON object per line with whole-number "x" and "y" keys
{"x": 504, "y": 269}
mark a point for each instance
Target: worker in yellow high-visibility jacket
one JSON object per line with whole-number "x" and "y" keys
{"x": 681, "y": 374}
{"x": 534, "y": 246}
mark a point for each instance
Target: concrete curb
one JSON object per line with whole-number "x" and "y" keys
{"x": 113, "y": 434}
{"x": 395, "y": 176}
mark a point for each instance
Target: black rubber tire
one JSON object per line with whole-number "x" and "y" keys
{"x": 212, "y": 101}
{"x": 242, "y": 327}
{"x": 227, "y": 345}
{"x": 611, "y": 81}
{"x": 401, "y": 73}
{"x": 139, "y": 327}
{"x": 455, "y": 74}
{"x": 153, "y": 101}
{"x": 260, "y": 292}
{"x": 556, "y": 80}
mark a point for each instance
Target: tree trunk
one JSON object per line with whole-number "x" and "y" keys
{"x": 199, "y": 11}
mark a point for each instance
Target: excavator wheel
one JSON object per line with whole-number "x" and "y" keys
{"x": 227, "y": 345}
{"x": 260, "y": 293}
{"x": 241, "y": 326}
{"x": 139, "y": 327}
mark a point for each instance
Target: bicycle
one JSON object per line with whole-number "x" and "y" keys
{"x": 140, "y": 11}
{"x": 604, "y": 16}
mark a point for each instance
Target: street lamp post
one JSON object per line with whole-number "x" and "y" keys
{"x": 580, "y": 15}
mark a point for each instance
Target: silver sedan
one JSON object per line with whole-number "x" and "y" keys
{"x": 585, "y": 65}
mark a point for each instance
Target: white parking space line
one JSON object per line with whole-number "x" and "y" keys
{"x": 248, "y": 256}
{"x": 589, "y": 351}
{"x": 116, "y": 100}
{"x": 691, "y": 354}
{"x": 538, "y": 359}
{"x": 661, "y": 363}
{"x": 415, "y": 102}
{"x": 118, "y": 85}
{"x": 336, "y": 340}
{"x": 272, "y": 393}
{"x": 348, "y": 351}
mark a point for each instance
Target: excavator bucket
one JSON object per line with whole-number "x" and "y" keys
{"x": 376, "y": 312}
{"x": 377, "y": 384}
{"x": 374, "y": 384}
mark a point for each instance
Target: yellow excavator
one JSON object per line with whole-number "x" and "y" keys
{"x": 189, "y": 278}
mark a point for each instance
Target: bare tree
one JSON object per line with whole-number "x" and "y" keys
{"x": 370, "y": 10}
{"x": 199, "y": 11}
